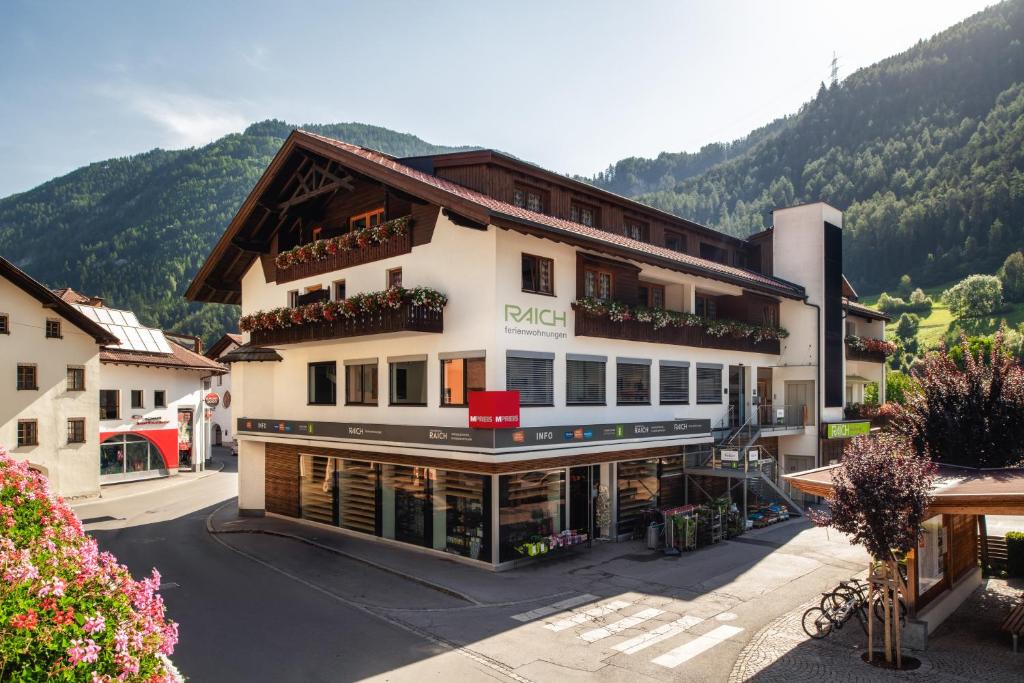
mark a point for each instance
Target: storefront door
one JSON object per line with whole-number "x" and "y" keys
{"x": 413, "y": 509}
{"x": 736, "y": 392}
{"x": 185, "y": 438}
{"x": 583, "y": 484}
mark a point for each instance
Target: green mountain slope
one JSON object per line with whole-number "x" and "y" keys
{"x": 135, "y": 230}
{"x": 924, "y": 150}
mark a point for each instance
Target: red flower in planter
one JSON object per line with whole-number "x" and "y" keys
{"x": 332, "y": 247}
{"x": 361, "y": 240}
{"x": 296, "y": 316}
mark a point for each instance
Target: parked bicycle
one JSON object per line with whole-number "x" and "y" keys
{"x": 847, "y": 601}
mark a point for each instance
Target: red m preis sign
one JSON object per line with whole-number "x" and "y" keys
{"x": 494, "y": 409}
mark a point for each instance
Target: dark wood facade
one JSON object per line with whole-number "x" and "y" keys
{"x": 636, "y": 330}
{"x": 864, "y": 355}
{"x": 406, "y": 318}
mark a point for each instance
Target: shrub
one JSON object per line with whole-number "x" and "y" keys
{"x": 69, "y": 612}
{"x": 1015, "y": 553}
{"x": 893, "y": 305}
{"x": 907, "y": 326}
{"x": 975, "y": 296}
{"x": 898, "y": 387}
{"x": 1011, "y": 274}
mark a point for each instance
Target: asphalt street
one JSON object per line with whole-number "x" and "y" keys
{"x": 242, "y": 620}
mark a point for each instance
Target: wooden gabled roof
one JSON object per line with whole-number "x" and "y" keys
{"x": 248, "y": 235}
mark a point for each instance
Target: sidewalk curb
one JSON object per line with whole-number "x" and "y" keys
{"x": 210, "y": 529}
{"x": 206, "y": 474}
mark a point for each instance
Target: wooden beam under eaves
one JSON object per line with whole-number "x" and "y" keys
{"x": 460, "y": 220}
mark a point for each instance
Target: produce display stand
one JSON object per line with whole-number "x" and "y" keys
{"x": 765, "y": 515}
{"x": 681, "y": 528}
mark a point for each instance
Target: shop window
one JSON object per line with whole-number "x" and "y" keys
{"x": 674, "y": 383}
{"x": 528, "y": 198}
{"x": 110, "y": 408}
{"x": 533, "y": 376}
{"x": 531, "y": 506}
{"x": 28, "y": 433}
{"x": 651, "y": 295}
{"x": 582, "y": 213}
{"x": 931, "y": 554}
{"x": 27, "y": 379}
{"x": 76, "y": 378}
{"x": 706, "y": 306}
{"x": 464, "y": 501}
{"x": 53, "y": 329}
{"x": 76, "y": 430}
{"x": 636, "y": 230}
{"x": 597, "y": 284}
{"x": 637, "y": 491}
{"x": 408, "y": 383}
{"x": 339, "y": 290}
{"x": 675, "y": 241}
{"x": 459, "y": 376}
{"x": 394, "y": 277}
{"x": 361, "y": 384}
{"x": 406, "y": 510}
{"x": 5, "y": 324}
{"x": 160, "y": 399}
{"x": 129, "y": 453}
{"x": 633, "y": 383}
{"x": 322, "y": 384}
{"x": 538, "y": 274}
{"x": 367, "y": 219}
{"x": 709, "y": 385}
{"x": 136, "y": 398}
{"x": 585, "y": 382}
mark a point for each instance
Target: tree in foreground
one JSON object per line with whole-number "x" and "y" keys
{"x": 968, "y": 409}
{"x": 69, "y": 612}
{"x": 880, "y": 496}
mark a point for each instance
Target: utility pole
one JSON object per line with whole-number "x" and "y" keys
{"x": 835, "y": 69}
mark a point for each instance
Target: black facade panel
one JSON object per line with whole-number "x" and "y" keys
{"x": 834, "y": 380}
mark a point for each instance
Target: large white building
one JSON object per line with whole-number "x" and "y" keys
{"x": 639, "y": 344}
{"x": 222, "y": 430}
{"x": 50, "y": 364}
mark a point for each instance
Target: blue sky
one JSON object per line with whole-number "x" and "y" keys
{"x": 570, "y": 85}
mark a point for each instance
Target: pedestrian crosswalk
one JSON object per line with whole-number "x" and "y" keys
{"x": 614, "y": 617}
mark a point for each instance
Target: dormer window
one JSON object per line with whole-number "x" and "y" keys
{"x": 528, "y": 198}
{"x": 581, "y": 213}
{"x": 367, "y": 219}
{"x": 635, "y": 230}
{"x": 675, "y": 241}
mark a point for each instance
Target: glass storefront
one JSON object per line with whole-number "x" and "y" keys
{"x": 931, "y": 564}
{"x": 637, "y": 491}
{"x": 130, "y": 456}
{"x": 531, "y": 506}
{"x": 440, "y": 509}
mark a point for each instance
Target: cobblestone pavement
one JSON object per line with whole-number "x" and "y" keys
{"x": 968, "y": 647}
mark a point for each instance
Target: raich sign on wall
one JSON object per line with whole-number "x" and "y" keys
{"x": 494, "y": 409}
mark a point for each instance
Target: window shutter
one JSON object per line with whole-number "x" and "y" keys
{"x": 533, "y": 378}
{"x": 633, "y": 383}
{"x": 674, "y": 382}
{"x": 585, "y": 382}
{"x": 709, "y": 385}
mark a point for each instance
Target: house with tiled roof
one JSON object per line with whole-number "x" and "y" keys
{"x": 153, "y": 414}
{"x": 222, "y": 430}
{"x": 472, "y": 354}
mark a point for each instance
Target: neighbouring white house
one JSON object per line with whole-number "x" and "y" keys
{"x": 153, "y": 418}
{"x": 222, "y": 432}
{"x": 50, "y": 364}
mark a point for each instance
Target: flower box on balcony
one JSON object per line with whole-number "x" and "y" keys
{"x": 869, "y": 350}
{"x": 393, "y": 238}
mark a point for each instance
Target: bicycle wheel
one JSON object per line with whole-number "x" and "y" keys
{"x": 816, "y": 623}
{"x": 837, "y": 598}
{"x": 880, "y": 611}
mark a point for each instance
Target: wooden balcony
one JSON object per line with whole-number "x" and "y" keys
{"x": 395, "y": 246}
{"x": 635, "y": 330}
{"x": 405, "y": 319}
{"x": 864, "y": 355}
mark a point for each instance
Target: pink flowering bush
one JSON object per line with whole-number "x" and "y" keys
{"x": 69, "y": 612}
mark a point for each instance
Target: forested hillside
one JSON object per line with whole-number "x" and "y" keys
{"x": 135, "y": 230}
{"x": 923, "y": 150}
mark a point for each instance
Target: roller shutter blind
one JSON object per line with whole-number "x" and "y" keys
{"x": 709, "y": 385}
{"x": 533, "y": 378}
{"x": 633, "y": 383}
{"x": 585, "y": 382}
{"x": 674, "y": 384}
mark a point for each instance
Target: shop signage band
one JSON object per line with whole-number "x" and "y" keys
{"x": 847, "y": 430}
{"x": 466, "y": 437}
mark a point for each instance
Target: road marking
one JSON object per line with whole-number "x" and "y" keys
{"x": 684, "y": 653}
{"x": 554, "y": 608}
{"x": 589, "y": 615}
{"x": 644, "y": 641}
{"x": 621, "y": 625}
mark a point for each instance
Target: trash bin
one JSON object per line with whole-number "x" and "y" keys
{"x": 654, "y": 535}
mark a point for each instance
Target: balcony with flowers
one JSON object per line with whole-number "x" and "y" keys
{"x": 868, "y": 349}
{"x": 396, "y": 309}
{"x": 615, "y": 320}
{"x": 365, "y": 245}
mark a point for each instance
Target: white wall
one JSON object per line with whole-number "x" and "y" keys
{"x": 221, "y": 385}
{"x": 73, "y": 469}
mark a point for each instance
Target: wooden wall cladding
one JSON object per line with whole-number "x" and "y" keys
{"x": 963, "y": 544}
{"x": 281, "y": 487}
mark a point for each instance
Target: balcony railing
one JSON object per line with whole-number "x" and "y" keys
{"x": 407, "y": 318}
{"x": 396, "y": 245}
{"x": 853, "y": 353}
{"x": 588, "y": 325}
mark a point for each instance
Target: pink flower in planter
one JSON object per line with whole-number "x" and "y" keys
{"x": 83, "y": 651}
{"x": 54, "y": 586}
{"x": 94, "y": 624}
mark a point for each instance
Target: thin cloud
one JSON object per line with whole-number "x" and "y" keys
{"x": 187, "y": 119}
